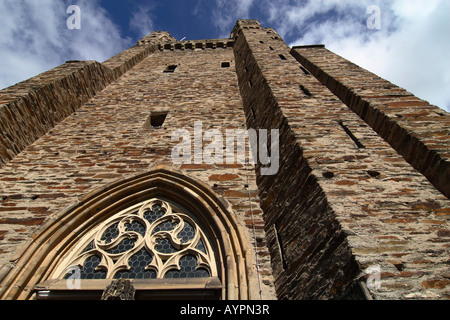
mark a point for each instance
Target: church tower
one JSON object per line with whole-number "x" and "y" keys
{"x": 234, "y": 168}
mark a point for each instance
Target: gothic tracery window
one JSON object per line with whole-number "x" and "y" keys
{"x": 152, "y": 240}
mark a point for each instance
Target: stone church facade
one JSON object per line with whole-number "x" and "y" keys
{"x": 133, "y": 169}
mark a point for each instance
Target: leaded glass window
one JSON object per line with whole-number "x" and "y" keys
{"x": 154, "y": 240}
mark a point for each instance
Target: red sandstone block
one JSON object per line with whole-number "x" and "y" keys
{"x": 388, "y": 237}
{"x": 108, "y": 176}
{"x": 196, "y": 167}
{"x": 13, "y": 179}
{"x": 223, "y": 177}
{"x": 408, "y": 274}
{"x": 429, "y": 205}
{"x": 443, "y": 233}
{"x": 411, "y": 103}
{"x": 433, "y": 222}
{"x": 417, "y": 114}
{"x": 400, "y": 220}
{"x": 25, "y": 221}
{"x": 8, "y": 209}
{"x": 40, "y": 210}
{"x": 238, "y": 194}
{"x": 435, "y": 284}
{"x": 230, "y": 166}
{"x": 346, "y": 183}
{"x": 443, "y": 212}
{"x": 254, "y": 212}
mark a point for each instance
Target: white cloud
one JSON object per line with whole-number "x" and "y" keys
{"x": 35, "y": 37}
{"x": 419, "y": 52}
{"x": 410, "y": 49}
{"x": 227, "y": 12}
{"x": 142, "y": 19}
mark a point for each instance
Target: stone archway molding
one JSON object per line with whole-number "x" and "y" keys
{"x": 38, "y": 258}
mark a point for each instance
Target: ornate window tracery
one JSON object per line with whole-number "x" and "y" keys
{"x": 152, "y": 240}
{"x": 41, "y": 272}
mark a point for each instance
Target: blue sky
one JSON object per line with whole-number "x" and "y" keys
{"x": 410, "y": 48}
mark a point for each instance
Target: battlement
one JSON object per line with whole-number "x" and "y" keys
{"x": 245, "y": 24}
{"x": 197, "y": 45}
{"x": 156, "y": 37}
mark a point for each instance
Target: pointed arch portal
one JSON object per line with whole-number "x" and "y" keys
{"x": 171, "y": 235}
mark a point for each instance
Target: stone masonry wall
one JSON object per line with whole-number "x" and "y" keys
{"x": 414, "y": 128}
{"x": 110, "y": 138}
{"x": 30, "y": 108}
{"x": 343, "y": 200}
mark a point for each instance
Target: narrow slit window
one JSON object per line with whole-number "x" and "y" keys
{"x": 170, "y": 69}
{"x": 280, "y": 247}
{"x": 305, "y": 91}
{"x": 253, "y": 113}
{"x": 305, "y": 71}
{"x": 282, "y": 57}
{"x": 225, "y": 65}
{"x": 352, "y": 136}
{"x": 271, "y": 48}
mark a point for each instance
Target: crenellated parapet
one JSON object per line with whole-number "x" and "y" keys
{"x": 197, "y": 45}
{"x": 156, "y": 37}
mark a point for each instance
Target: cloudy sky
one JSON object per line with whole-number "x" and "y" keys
{"x": 409, "y": 45}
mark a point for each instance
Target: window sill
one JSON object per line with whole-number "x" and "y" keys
{"x": 152, "y": 289}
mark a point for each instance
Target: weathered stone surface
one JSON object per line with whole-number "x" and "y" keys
{"x": 119, "y": 290}
{"x": 342, "y": 192}
{"x": 30, "y": 108}
{"x": 105, "y": 140}
{"x": 414, "y": 128}
{"x": 343, "y": 200}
